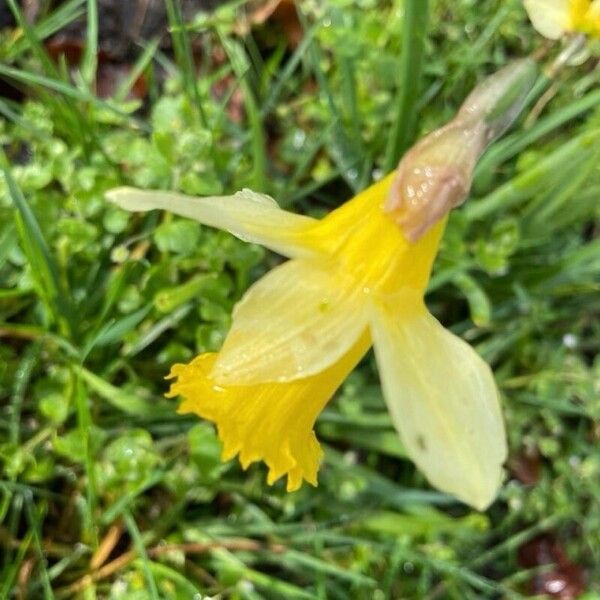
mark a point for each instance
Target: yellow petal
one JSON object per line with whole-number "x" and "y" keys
{"x": 371, "y": 249}
{"x": 443, "y": 402}
{"x": 294, "y": 322}
{"x": 248, "y": 215}
{"x": 585, "y": 16}
{"x": 550, "y": 17}
{"x": 272, "y": 422}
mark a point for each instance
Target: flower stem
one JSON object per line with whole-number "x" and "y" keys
{"x": 414, "y": 35}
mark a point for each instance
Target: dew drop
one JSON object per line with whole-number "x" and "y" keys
{"x": 555, "y": 586}
{"x": 299, "y": 139}
{"x": 377, "y": 174}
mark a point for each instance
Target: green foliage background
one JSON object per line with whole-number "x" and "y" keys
{"x": 96, "y": 304}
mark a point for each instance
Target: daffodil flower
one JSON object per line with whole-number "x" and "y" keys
{"x": 554, "y": 18}
{"x": 356, "y": 278}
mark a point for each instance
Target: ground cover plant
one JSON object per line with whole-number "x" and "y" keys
{"x": 105, "y": 492}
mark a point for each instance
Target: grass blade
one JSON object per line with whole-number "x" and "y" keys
{"x": 240, "y": 67}
{"x": 44, "y": 268}
{"x": 414, "y": 37}
{"x": 85, "y": 424}
{"x": 137, "y": 69}
{"x": 47, "y": 26}
{"x": 138, "y": 543}
{"x": 183, "y": 56}
{"x": 89, "y": 61}
{"x": 517, "y": 142}
{"x": 522, "y": 186}
{"x": 114, "y": 330}
{"x": 124, "y": 401}
{"x": 33, "y": 79}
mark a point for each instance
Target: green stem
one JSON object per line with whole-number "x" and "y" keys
{"x": 414, "y": 35}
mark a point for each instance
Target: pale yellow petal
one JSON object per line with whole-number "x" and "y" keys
{"x": 443, "y": 402}
{"x": 294, "y": 322}
{"x": 550, "y": 17}
{"x": 248, "y": 215}
{"x": 272, "y": 422}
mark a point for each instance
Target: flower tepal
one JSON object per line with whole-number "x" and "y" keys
{"x": 554, "y": 18}
{"x": 355, "y": 278}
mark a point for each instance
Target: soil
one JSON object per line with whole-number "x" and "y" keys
{"x": 122, "y": 23}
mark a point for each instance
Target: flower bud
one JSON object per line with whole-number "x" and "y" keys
{"x": 435, "y": 175}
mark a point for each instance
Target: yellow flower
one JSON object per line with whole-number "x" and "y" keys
{"x": 553, "y": 18}
{"x": 355, "y": 278}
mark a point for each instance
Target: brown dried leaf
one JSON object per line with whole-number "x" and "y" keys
{"x": 565, "y": 581}
{"x": 526, "y": 466}
{"x": 281, "y": 12}
{"x": 69, "y": 47}
{"x": 110, "y": 76}
{"x": 235, "y": 104}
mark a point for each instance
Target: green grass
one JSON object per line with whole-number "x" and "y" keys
{"x": 105, "y": 492}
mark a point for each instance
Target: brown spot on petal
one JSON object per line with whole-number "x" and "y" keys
{"x": 421, "y": 443}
